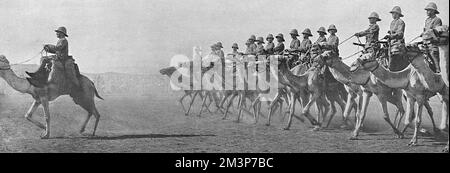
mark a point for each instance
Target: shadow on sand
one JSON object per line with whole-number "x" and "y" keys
{"x": 132, "y": 136}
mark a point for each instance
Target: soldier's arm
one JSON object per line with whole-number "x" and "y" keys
{"x": 437, "y": 22}
{"x": 60, "y": 45}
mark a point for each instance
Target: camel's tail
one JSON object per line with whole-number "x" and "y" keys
{"x": 96, "y": 92}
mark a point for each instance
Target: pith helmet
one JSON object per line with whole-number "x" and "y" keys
{"x": 235, "y": 45}
{"x": 269, "y": 36}
{"x": 280, "y": 35}
{"x": 375, "y": 16}
{"x": 432, "y": 6}
{"x": 307, "y": 31}
{"x": 260, "y": 39}
{"x": 219, "y": 44}
{"x": 332, "y": 27}
{"x": 322, "y": 30}
{"x": 62, "y": 30}
{"x": 294, "y": 32}
{"x": 252, "y": 37}
{"x": 397, "y": 10}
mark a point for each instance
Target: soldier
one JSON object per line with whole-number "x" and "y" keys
{"x": 431, "y": 23}
{"x": 333, "y": 41}
{"x": 295, "y": 43}
{"x": 270, "y": 45}
{"x": 219, "y": 50}
{"x": 61, "y": 50}
{"x": 235, "y": 48}
{"x": 396, "y": 39}
{"x": 259, "y": 46}
{"x": 372, "y": 32}
{"x": 322, "y": 34}
{"x": 305, "y": 44}
{"x": 250, "y": 48}
{"x": 278, "y": 50}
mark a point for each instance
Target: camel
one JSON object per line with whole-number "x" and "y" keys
{"x": 83, "y": 96}
{"x": 361, "y": 82}
{"x": 308, "y": 83}
{"x": 419, "y": 86}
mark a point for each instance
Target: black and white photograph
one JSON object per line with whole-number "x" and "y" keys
{"x": 224, "y": 76}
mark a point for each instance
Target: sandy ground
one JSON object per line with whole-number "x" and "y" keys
{"x": 156, "y": 123}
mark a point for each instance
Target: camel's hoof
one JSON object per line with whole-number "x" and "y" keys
{"x": 353, "y": 138}
{"x": 267, "y": 124}
{"x": 236, "y": 121}
{"x": 315, "y": 129}
{"x": 81, "y": 131}
{"x": 286, "y": 128}
{"x": 45, "y": 135}
{"x": 412, "y": 144}
{"x": 186, "y": 114}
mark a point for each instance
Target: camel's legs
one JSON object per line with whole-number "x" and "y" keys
{"x": 97, "y": 119}
{"x": 306, "y": 108}
{"x": 417, "y": 124}
{"x": 348, "y": 108}
{"x": 86, "y": 120}
{"x": 410, "y": 101}
{"x": 444, "y": 116}
{"x": 203, "y": 103}
{"x": 230, "y": 102}
{"x": 29, "y": 115}
{"x": 45, "y": 106}
{"x": 341, "y": 104}
{"x": 362, "y": 115}
{"x": 240, "y": 103}
{"x": 386, "y": 116}
{"x": 190, "y": 104}
{"x": 181, "y": 102}
{"x": 272, "y": 108}
{"x": 291, "y": 110}
{"x": 430, "y": 114}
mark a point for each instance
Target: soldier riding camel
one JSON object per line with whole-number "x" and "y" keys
{"x": 60, "y": 58}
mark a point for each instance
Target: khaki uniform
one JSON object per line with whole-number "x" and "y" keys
{"x": 295, "y": 44}
{"x": 333, "y": 43}
{"x": 259, "y": 49}
{"x": 251, "y": 49}
{"x": 61, "y": 50}
{"x": 269, "y": 48}
{"x": 321, "y": 39}
{"x": 304, "y": 46}
{"x": 432, "y": 23}
{"x": 396, "y": 32}
{"x": 278, "y": 50}
{"x": 371, "y": 34}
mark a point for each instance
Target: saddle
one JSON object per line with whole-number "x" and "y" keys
{"x": 39, "y": 78}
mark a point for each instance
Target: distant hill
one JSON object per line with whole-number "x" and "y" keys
{"x": 110, "y": 83}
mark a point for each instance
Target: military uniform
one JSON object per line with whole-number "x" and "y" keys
{"x": 332, "y": 44}
{"x": 431, "y": 23}
{"x": 61, "y": 50}
{"x": 397, "y": 41}
{"x": 251, "y": 48}
{"x": 371, "y": 33}
{"x": 279, "y": 48}
{"x": 321, "y": 39}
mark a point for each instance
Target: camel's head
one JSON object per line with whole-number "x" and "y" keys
{"x": 364, "y": 64}
{"x": 168, "y": 71}
{"x": 327, "y": 58}
{"x": 413, "y": 51}
{"x": 4, "y": 63}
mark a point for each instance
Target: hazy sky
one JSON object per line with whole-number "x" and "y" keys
{"x": 140, "y": 36}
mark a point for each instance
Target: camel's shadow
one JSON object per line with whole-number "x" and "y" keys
{"x": 133, "y": 136}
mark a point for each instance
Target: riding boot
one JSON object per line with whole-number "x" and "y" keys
{"x": 435, "y": 56}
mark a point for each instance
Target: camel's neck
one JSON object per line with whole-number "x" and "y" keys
{"x": 340, "y": 71}
{"x": 17, "y": 83}
{"x": 427, "y": 77}
{"x": 393, "y": 79}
